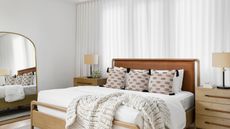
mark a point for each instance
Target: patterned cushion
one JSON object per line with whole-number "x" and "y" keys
{"x": 177, "y": 79}
{"x": 116, "y": 78}
{"x": 10, "y": 80}
{"x": 161, "y": 82}
{"x": 18, "y": 80}
{"x": 137, "y": 80}
{"x": 27, "y": 79}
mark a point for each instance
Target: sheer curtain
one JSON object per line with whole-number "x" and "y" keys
{"x": 16, "y": 53}
{"x": 153, "y": 29}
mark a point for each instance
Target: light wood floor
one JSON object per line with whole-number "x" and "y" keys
{"x": 23, "y": 123}
{"x": 16, "y": 125}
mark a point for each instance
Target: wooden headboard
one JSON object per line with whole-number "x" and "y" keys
{"x": 28, "y": 70}
{"x": 191, "y": 68}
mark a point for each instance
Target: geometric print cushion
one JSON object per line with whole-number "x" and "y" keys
{"x": 116, "y": 78}
{"x": 137, "y": 80}
{"x": 177, "y": 79}
{"x": 9, "y": 80}
{"x": 27, "y": 79}
{"x": 161, "y": 82}
{"x": 18, "y": 80}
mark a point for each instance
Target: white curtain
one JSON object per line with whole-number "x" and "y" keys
{"x": 153, "y": 29}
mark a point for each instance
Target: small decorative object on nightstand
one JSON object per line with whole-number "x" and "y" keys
{"x": 83, "y": 81}
{"x": 212, "y": 108}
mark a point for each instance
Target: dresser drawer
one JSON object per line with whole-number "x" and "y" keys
{"x": 206, "y": 122}
{"x": 213, "y": 95}
{"x": 213, "y": 109}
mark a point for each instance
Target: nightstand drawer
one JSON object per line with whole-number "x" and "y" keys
{"x": 213, "y": 95}
{"x": 84, "y": 81}
{"x": 213, "y": 109}
{"x": 206, "y": 122}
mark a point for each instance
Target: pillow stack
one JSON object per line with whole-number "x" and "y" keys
{"x": 154, "y": 81}
{"x": 25, "y": 79}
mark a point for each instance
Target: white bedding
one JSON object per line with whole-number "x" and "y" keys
{"x": 14, "y": 93}
{"x": 62, "y": 97}
{"x": 28, "y": 90}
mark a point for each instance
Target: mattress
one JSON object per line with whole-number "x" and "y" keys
{"x": 28, "y": 90}
{"x": 177, "y": 104}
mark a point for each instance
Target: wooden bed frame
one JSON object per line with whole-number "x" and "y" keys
{"x": 28, "y": 70}
{"x": 25, "y": 102}
{"x": 191, "y": 80}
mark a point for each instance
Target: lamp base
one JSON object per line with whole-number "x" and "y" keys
{"x": 221, "y": 87}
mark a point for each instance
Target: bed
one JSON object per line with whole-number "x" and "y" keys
{"x": 30, "y": 92}
{"x": 51, "y": 105}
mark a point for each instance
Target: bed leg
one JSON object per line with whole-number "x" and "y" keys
{"x": 32, "y": 107}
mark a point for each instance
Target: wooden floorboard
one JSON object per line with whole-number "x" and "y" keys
{"x": 14, "y": 120}
{"x": 15, "y": 125}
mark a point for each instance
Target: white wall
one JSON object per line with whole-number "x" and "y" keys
{"x": 51, "y": 26}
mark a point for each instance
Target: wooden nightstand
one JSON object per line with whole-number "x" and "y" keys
{"x": 82, "y": 81}
{"x": 212, "y": 108}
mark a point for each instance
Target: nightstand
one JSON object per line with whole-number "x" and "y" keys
{"x": 82, "y": 81}
{"x": 212, "y": 108}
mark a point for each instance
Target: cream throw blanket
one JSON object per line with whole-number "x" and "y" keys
{"x": 97, "y": 112}
{"x": 14, "y": 93}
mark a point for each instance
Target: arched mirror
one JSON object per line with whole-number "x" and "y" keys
{"x": 18, "y": 76}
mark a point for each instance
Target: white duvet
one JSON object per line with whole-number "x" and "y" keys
{"x": 62, "y": 97}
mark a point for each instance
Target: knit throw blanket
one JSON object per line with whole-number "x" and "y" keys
{"x": 97, "y": 112}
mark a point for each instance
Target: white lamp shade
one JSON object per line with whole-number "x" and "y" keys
{"x": 221, "y": 59}
{"x": 4, "y": 72}
{"x": 91, "y": 59}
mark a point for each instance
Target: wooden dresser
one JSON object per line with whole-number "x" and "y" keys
{"x": 82, "y": 81}
{"x": 212, "y": 108}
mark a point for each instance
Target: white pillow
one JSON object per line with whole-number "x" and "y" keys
{"x": 35, "y": 80}
{"x": 177, "y": 80}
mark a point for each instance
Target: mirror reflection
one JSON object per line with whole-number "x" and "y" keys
{"x": 18, "y": 85}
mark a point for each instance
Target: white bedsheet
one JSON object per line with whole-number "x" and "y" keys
{"x": 28, "y": 90}
{"x": 62, "y": 97}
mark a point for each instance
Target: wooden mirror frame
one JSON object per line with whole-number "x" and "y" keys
{"x": 20, "y": 72}
{"x": 35, "y": 51}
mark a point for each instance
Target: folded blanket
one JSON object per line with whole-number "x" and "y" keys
{"x": 14, "y": 93}
{"x": 97, "y": 112}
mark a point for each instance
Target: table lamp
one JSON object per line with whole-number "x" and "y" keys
{"x": 3, "y": 72}
{"x": 91, "y": 60}
{"x": 221, "y": 60}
